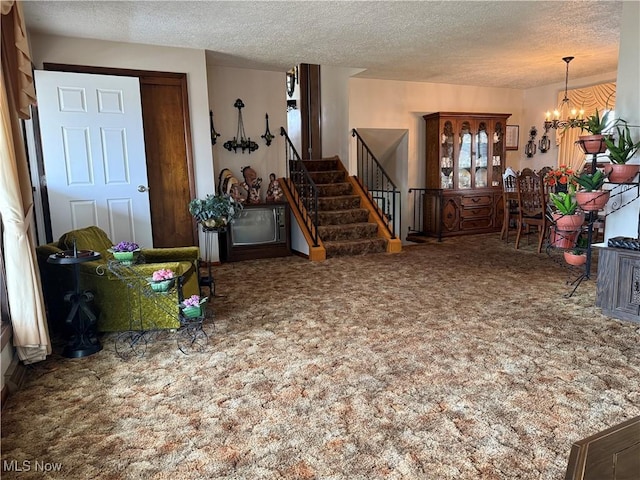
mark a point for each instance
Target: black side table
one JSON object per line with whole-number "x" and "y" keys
{"x": 81, "y": 320}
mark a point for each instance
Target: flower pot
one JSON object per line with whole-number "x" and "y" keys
{"x": 592, "y": 143}
{"x": 622, "y": 173}
{"x": 126, "y": 258}
{"x": 592, "y": 201}
{"x": 162, "y": 285}
{"x": 192, "y": 312}
{"x": 569, "y": 223}
{"x": 575, "y": 260}
{"x": 563, "y": 238}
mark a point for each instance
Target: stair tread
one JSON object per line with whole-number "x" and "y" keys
{"x": 333, "y": 212}
{"x": 354, "y": 224}
{"x": 354, "y": 241}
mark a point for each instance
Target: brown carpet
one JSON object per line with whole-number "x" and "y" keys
{"x": 458, "y": 360}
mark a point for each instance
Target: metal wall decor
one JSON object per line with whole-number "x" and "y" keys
{"x": 214, "y": 134}
{"x": 292, "y": 76}
{"x": 530, "y": 147}
{"x": 545, "y": 142}
{"x": 268, "y": 137}
{"x": 240, "y": 141}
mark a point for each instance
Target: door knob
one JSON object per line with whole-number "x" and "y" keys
{"x": 142, "y": 188}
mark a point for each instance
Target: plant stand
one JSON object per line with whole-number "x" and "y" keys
{"x": 209, "y": 281}
{"x": 133, "y": 343}
{"x": 592, "y": 218}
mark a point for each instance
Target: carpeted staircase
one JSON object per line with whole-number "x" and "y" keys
{"x": 344, "y": 226}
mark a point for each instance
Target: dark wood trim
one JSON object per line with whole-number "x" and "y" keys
{"x": 310, "y": 112}
{"x": 126, "y": 72}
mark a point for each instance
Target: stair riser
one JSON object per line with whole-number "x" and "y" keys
{"x": 348, "y": 232}
{"x": 338, "y": 203}
{"x": 343, "y": 217}
{"x": 334, "y": 176}
{"x": 335, "y": 189}
{"x": 320, "y": 165}
{"x": 360, "y": 248}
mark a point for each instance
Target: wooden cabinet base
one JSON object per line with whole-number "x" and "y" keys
{"x": 618, "y": 286}
{"x": 613, "y": 454}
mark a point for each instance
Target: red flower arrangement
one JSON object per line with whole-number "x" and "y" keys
{"x": 563, "y": 175}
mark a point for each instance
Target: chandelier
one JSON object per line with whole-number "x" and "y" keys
{"x": 565, "y": 115}
{"x": 240, "y": 141}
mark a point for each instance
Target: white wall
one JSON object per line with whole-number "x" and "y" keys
{"x": 535, "y": 103}
{"x": 387, "y": 104}
{"x": 54, "y": 49}
{"x": 624, "y": 222}
{"x": 262, "y": 93}
{"x": 334, "y": 93}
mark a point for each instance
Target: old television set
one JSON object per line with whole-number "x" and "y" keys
{"x": 261, "y": 231}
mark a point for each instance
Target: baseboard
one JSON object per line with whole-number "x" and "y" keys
{"x": 13, "y": 379}
{"x": 3, "y": 396}
{"x": 15, "y": 374}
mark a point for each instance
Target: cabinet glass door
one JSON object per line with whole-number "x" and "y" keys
{"x": 482, "y": 154}
{"x": 446, "y": 156}
{"x": 496, "y": 151}
{"x": 465, "y": 156}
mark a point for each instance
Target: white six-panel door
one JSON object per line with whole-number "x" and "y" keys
{"x": 94, "y": 157}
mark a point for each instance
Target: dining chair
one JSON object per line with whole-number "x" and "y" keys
{"x": 510, "y": 202}
{"x": 532, "y": 206}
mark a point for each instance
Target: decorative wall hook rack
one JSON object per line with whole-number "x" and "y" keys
{"x": 214, "y": 134}
{"x": 240, "y": 141}
{"x": 268, "y": 137}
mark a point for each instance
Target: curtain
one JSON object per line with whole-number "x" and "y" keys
{"x": 26, "y": 304}
{"x": 601, "y": 97}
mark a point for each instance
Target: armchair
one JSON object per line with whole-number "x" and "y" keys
{"x": 115, "y": 303}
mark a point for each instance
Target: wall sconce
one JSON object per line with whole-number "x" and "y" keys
{"x": 530, "y": 147}
{"x": 545, "y": 142}
{"x": 240, "y": 140}
{"x": 214, "y": 134}
{"x": 267, "y": 135}
{"x": 292, "y": 77}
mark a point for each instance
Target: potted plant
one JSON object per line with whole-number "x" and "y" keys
{"x": 125, "y": 252}
{"x": 192, "y": 307}
{"x": 215, "y": 211}
{"x": 162, "y": 280}
{"x": 596, "y": 125}
{"x": 559, "y": 179}
{"x": 578, "y": 254}
{"x": 591, "y": 198}
{"x": 566, "y": 216}
{"x": 620, "y": 153}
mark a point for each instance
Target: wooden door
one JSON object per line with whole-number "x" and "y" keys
{"x": 169, "y": 164}
{"x": 165, "y": 114}
{"x": 93, "y": 152}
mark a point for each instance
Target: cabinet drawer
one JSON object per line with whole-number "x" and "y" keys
{"x": 476, "y": 200}
{"x": 475, "y": 223}
{"x": 476, "y": 212}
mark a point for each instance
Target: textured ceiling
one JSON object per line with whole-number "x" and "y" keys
{"x": 514, "y": 44}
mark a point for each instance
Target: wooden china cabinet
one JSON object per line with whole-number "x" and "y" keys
{"x": 465, "y": 160}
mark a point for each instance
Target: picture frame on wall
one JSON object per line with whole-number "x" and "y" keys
{"x": 511, "y": 137}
